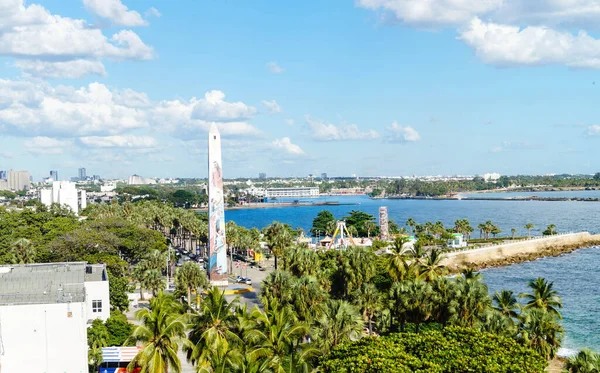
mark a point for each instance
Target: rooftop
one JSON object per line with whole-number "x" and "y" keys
{"x": 46, "y": 283}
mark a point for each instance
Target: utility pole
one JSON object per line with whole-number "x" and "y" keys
{"x": 168, "y": 262}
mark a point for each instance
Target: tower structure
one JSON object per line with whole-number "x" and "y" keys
{"x": 383, "y": 223}
{"x": 217, "y": 258}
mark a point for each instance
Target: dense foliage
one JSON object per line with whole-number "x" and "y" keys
{"x": 452, "y": 350}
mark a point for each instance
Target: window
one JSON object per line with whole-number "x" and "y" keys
{"x": 96, "y": 306}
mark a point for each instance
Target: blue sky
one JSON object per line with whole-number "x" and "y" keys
{"x": 367, "y": 87}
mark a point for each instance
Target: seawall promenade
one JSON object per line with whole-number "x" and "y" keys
{"x": 518, "y": 252}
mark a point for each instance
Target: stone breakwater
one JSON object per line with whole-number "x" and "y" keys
{"x": 518, "y": 252}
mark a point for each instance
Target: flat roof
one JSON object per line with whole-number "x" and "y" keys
{"x": 45, "y": 283}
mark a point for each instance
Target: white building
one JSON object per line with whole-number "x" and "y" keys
{"x": 138, "y": 180}
{"x": 108, "y": 187}
{"x": 44, "y": 314}
{"x": 64, "y": 193}
{"x": 457, "y": 241}
{"x": 18, "y": 180}
{"x": 299, "y": 192}
{"x": 493, "y": 177}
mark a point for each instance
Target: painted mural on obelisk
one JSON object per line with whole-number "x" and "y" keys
{"x": 217, "y": 260}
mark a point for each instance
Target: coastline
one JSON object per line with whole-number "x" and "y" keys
{"x": 518, "y": 252}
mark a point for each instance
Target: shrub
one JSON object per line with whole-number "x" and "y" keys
{"x": 451, "y": 350}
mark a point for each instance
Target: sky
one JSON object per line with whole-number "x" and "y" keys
{"x": 365, "y": 87}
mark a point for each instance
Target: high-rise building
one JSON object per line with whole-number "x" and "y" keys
{"x": 82, "y": 175}
{"x": 3, "y": 175}
{"x": 262, "y": 176}
{"x": 54, "y": 175}
{"x": 18, "y": 180}
{"x": 324, "y": 176}
{"x": 64, "y": 193}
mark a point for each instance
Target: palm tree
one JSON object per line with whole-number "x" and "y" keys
{"x": 278, "y": 238}
{"x": 513, "y": 231}
{"x": 585, "y": 361}
{"x": 161, "y": 333}
{"x": 397, "y": 265}
{"x": 411, "y": 224}
{"x": 368, "y": 300}
{"x": 153, "y": 280}
{"x": 432, "y": 267}
{"x": 529, "y": 227}
{"x": 542, "y": 296}
{"x": 212, "y": 328}
{"x": 370, "y": 227}
{"x": 340, "y": 322}
{"x": 550, "y": 230}
{"x": 190, "y": 276}
{"x": 22, "y": 252}
{"x": 277, "y": 337}
{"x": 541, "y": 331}
{"x": 506, "y": 303}
{"x": 420, "y": 306}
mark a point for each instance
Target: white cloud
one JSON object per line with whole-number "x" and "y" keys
{"x": 271, "y": 106}
{"x": 289, "y": 122}
{"x": 325, "y": 131}
{"x": 400, "y": 133}
{"x": 67, "y": 69}
{"x": 286, "y": 145}
{"x": 274, "y": 68}
{"x": 213, "y": 108}
{"x": 177, "y": 117}
{"x": 115, "y": 11}
{"x": 130, "y": 98}
{"x": 46, "y": 145}
{"x": 153, "y": 12}
{"x": 504, "y": 45}
{"x": 39, "y": 109}
{"x": 59, "y": 46}
{"x": 119, "y": 141}
{"x": 594, "y": 130}
{"x": 568, "y": 13}
{"x": 508, "y": 145}
{"x": 431, "y": 13}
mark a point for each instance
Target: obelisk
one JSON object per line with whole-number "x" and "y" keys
{"x": 217, "y": 259}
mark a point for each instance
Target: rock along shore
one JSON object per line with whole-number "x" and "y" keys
{"x": 518, "y": 252}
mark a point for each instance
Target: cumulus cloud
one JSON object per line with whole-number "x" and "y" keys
{"x": 178, "y": 118}
{"x": 153, "y": 12}
{"x": 63, "y": 69}
{"x": 400, "y": 133}
{"x": 509, "y": 45}
{"x": 514, "y": 33}
{"x": 213, "y": 107}
{"x": 594, "y": 130}
{"x": 271, "y": 106}
{"x": 40, "y": 109}
{"x": 285, "y": 144}
{"x": 61, "y": 46}
{"x": 325, "y": 131}
{"x": 431, "y": 13}
{"x": 46, "y": 145}
{"x": 274, "y": 68}
{"x": 119, "y": 141}
{"x": 115, "y": 11}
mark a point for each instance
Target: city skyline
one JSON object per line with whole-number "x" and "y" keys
{"x": 366, "y": 87}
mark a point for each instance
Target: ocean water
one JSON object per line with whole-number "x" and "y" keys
{"x": 576, "y": 276}
{"x": 558, "y": 194}
{"x": 567, "y": 216}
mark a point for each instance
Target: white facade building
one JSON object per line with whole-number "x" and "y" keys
{"x": 64, "y": 193}
{"x": 44, "y": 315}
{"x": 299, "y": 192}
{"x": 19, "y": 180}
{"x": 108, "y": 187}
{"x": 138, "y": 180}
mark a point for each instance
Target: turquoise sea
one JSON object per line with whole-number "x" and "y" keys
{"x": 576, "y": 276}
